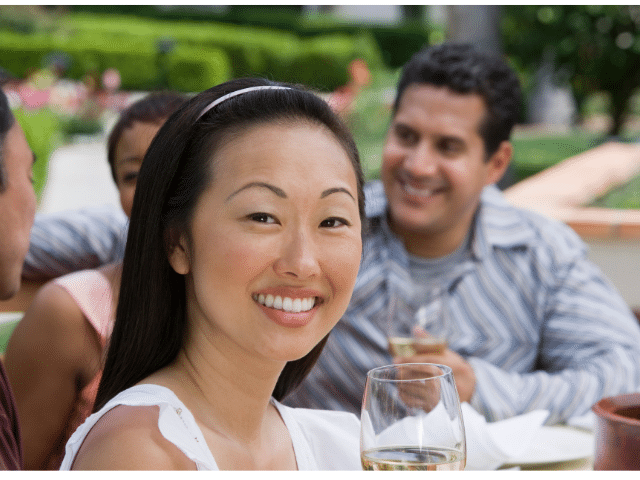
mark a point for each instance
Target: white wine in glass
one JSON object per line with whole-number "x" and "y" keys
{"x": 412, "y": 458}
{"x": 416, "y": 321}
{"x": 409, "y": 346}
{"x": 411, "y": 419}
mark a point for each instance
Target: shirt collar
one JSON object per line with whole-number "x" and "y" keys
{"x": 499, "y": 224}
{"x": 496, "y": 223}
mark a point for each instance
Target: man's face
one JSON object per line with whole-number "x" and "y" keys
{"x": 434, "y": 168}
{"x": 17, "y": 209}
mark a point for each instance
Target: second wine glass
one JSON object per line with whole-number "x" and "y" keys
{"x": 416, "y": 320}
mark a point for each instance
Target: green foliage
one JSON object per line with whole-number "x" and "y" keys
{"x": 370, "y": 119}
{"x": 95, "y": 49}
{"x": 626, "y": 196}
{"x": 194, "y": 55}
{"x": 596, "y": 47}
{"x": 398, "y": 44}
{"x": 20, "y": 53}
{"x": 75, "y": 125}
{"x": 192, "y": 69}
{"x": 6, "y": 329}
{"x": 42, "y": 128}
{"x": 395, "y": 42}
{"x": 323, "y": 61}
{"x": 534, "y": 153}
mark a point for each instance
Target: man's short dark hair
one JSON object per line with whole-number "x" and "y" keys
{"x": 464, "y": 69}
{"x": 6, "y": 122}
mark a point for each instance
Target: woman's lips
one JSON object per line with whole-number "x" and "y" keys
{"x": 289, "y": 309}
{"x": 287, "y": 304}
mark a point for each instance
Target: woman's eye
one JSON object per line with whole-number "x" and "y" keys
{"x": 130, "y": 177}
{"x": 262, "y": 218}
{"x": 334, "y": 222}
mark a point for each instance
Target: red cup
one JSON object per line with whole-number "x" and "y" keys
{"x": 617, "y": 433}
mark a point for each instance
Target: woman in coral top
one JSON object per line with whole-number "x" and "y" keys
{"x": 55, "y": 356}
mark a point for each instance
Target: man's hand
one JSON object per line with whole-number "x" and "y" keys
{"x": 462, "y": 371}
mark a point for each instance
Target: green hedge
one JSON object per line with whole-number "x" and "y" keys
{"x": 196, "y": 59}
{"x": 319, "y": 61}
{"x": 135, "y": 57}
{"x": 42, "y": 128}
{"x": 395, "y": 42}
{"x": 6, "y": 329}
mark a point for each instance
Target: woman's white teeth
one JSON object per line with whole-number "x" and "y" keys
{"x": 287, "y": 304}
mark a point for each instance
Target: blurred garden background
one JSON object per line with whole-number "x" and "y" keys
{"x": 69, "y": 70}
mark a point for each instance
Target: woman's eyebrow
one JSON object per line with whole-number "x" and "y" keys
{"x": 278, "y": 191}
{"x": 329, "y": 191}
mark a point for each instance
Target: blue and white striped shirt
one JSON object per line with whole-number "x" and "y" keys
{"x": 538, "y": 322}
{"x": 64, "y": 242}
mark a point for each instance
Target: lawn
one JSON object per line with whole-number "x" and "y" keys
{"x": 622, "y": 196}
{"x": 8, "y": 321}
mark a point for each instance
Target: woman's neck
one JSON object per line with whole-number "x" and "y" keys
{"x": 227, "y": 390}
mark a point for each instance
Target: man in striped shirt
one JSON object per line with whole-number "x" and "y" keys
{"x": 530, "y": 322}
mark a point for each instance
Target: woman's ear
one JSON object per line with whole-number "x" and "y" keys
{"x": 178, "y": 253}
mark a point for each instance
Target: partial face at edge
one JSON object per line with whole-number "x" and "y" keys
{"x": 129, "y": 153}
{"x": 276, "y": 242}
{"x": 17, "y": 210}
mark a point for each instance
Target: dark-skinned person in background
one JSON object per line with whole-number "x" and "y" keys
{"x": 17, "y": 210}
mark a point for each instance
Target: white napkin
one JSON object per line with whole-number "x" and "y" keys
{"x": 490, "y": 445}
{"x": 585, "y": 422}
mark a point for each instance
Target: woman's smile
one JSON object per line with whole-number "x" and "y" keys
{"x": 289, "y": 307}
{"x": 287, "y": 304}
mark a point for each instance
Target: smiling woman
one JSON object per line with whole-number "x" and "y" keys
{"x": 243, "y": 250}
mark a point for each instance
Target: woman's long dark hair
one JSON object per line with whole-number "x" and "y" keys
{"x": 151, "y": 321}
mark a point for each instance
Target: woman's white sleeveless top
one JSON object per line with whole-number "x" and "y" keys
{"x": 322, "y": 440}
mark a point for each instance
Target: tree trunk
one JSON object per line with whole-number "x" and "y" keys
{"x": 413, "y": 12}
{"x": 476, "y": 24}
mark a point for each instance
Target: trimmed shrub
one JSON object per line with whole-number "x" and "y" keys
{"x": 396, "y": 42}
{"x": 135, "y": 57}
{"x": 152, "y": 54}
{"x": 194, "y": 69}
{"x": 42, "y": 130}
{"x": 252, "y": 51}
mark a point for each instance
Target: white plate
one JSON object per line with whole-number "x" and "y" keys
{"x": 554, "y": 444}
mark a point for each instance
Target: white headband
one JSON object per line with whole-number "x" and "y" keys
{"x": 218, "y": 101}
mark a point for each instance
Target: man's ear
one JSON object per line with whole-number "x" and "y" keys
{"x": 178, "y": 252}
{"x": 498, "y": 162}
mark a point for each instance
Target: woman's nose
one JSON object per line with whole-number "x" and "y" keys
{"x": 298, "y": 258}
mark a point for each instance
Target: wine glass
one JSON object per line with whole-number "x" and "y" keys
{"x": 416, "y": 320}
{"x": 411, "y": 419}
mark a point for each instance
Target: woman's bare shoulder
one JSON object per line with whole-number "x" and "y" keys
{"x": 128, "y": 438}
{"x": 55, "y": 324}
